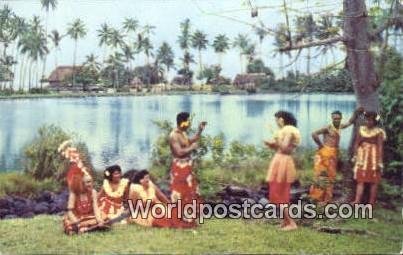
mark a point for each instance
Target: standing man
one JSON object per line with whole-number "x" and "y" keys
{"x": 325, "y": 161}
{"x": 184, "y": 185}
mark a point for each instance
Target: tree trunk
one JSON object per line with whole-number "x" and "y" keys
{"x": 30, "y": 76}
{"x": 308, "y": 61}
{"x": 241, "y": 62}
{"x": 74, "y": 64}
{"x": 46, "y": 54}
{"x": 200, "y": 62}
{"x": 23, "y": 72}
{"x": 359, "y": 59}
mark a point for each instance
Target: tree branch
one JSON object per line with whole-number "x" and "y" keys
{"x": 313, "y": 44}
{"x": 396, "y": 19}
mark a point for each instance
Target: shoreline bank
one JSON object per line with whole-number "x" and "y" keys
{"x": 142, "y": 94}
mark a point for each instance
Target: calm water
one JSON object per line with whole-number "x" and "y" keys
{"x": 120, "y": 129}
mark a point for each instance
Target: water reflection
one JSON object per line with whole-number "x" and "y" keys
{"x": 120, "y": 129}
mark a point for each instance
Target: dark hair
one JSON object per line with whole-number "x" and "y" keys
{"x": 288, "y": 118}
{"x": 181, "y": 117}
{"x": 338, "y": 113}
{"x": 111, "y": 170}
{"x": 139, "y": 176}
{"x": 371, "y": 115}
{"x": 131, "y": 174}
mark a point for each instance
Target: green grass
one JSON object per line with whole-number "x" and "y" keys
{"x": 44, "y": 234}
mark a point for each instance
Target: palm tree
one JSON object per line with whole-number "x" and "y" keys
{"x": 187, "y": 59}
{"x": 148, "y": 30}
{"x": 326, "y": 29}
{"x": 220, "y": 45}
{"x": 146, "y": 46}
{"x": 104, "y": 34}
{"x": 165, "y": 56}
{"x": 184, "y": 40}
{"x": 33, "y": 43}
{"x": 261, "y": 34}
{"x": 184, "y": 37}
{"x": 92, "y": 63}
{"x": 128, "y": 54}
{"x": 281, "y": 39}
{"x": 306, "y": 30}
{"x": 199, "y": 42}
{"x": 76, "y": 30}
{"x": 114, "y": 62}
{"x": 241, "y": 42}
{"x": 7, "y": 63}
{"x": 92, "y": 66}
{"x": 130, "y": 25}
{"x": 10, "y": 29}
{"x": 116, "y": 39}
{"x": 250, "y": 52}
{"x": 56, "y": 38}
{"x": 47, "y": 5}
{"x": 22, "y": 28}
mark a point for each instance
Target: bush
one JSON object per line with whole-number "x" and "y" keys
{"x": 149, "y": 74}
{"x": 216, "y": 165}
{"x": 258, "y": 66}
{"x": 222, "y": 89}
{"x": 39, "y": 91}
{"x": 24, "y": 185}
{"x": 391, "y": 105}
{"x": 184, "y": 77}
{"x": 161, "y": 154}
{"x": 41, "y": 159}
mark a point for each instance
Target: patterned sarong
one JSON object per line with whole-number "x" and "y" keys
{"x": 325, "y": 164}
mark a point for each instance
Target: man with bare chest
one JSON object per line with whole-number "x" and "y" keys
{"x": 184, "y": 185}
{"x": 325, "y": 161}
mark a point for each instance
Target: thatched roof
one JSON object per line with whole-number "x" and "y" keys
{"x": 249, "y": 78}
{"x": 62, "y": 72}
{"x": 136, "y": 82}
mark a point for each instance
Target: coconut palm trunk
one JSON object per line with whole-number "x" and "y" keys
{"x": 200, "y": 61}
{"x": 74, "y": 63}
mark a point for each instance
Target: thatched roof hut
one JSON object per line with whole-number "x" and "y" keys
{"x": 248, "y": 81}
{"x": 60, "y": 74}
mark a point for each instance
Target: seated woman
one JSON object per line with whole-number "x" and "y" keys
{"x": 113, "y": 193}
{"x": 142, "y": 190}
{"x": 368, "y": 149}
{"x": 83, "y": 214}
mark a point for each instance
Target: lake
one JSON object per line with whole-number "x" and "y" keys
{"x": 121, "y": 130}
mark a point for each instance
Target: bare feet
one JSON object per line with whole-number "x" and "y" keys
{"x": 289, "y": 227}
{"x": 282, "y": 225}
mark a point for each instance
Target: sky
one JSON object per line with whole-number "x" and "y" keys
{"x": 211, "y": 16}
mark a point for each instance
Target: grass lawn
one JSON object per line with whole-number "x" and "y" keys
{"x": 43, "y": 234}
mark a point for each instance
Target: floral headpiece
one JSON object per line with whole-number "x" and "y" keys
{"x": 63, "y": 145}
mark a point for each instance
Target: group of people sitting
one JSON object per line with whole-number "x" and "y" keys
{"x": 91, "y": 210}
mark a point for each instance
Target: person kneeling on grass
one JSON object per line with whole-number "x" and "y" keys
{"x": 143, "y": 190}
{"x": 83, "y": 214}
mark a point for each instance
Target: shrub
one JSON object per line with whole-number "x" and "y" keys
{"x": 39, "y": 91}
{"x": 391, "y": 105}
{"x": 161, "y": 154}
{"x": 22, "y": 184}
{"x": 41, "y": 159}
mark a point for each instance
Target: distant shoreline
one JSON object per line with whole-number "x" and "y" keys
{"x": 167, "y": 93}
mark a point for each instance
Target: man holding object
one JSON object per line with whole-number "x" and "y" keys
{"x": 184, "y": 185}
